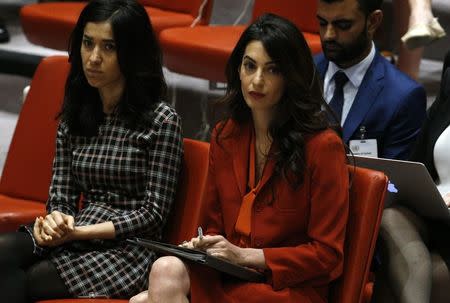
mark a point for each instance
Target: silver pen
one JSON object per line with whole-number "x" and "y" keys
{"x": 200, "y": 233}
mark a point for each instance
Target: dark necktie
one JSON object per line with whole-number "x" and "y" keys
{"x": 337, "y": 101}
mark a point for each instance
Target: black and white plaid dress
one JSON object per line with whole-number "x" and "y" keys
{"x": 125, "y": 176}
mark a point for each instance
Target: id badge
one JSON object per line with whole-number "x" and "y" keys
{"x": 366, "y": 148}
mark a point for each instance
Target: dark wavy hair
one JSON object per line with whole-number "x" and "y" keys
{"x": 140, "y": 61}
{"x": 299, "y": 112}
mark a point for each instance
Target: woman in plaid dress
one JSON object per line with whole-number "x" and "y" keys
{"x": 118, "y": 150}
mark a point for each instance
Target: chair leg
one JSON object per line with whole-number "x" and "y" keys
{"x": 205, "y": 127}
{"x": 25, "y": 91}
{"x": 173, "y": 93}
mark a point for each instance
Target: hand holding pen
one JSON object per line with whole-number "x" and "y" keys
{"x": 190, "y": 244}
{"x": 200, "y": 233}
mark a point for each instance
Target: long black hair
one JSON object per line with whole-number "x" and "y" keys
{"x": 299, "y": 112}
{"x": 140, "y": 61}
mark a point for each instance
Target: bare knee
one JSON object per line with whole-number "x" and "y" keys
{"x": 169, "y": 274}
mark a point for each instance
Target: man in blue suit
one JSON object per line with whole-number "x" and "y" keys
{"x": 380, "y": 109}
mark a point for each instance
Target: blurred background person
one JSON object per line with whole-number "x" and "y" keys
{"x": 417, "y": 27}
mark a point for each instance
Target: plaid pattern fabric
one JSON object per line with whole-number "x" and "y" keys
{"x": 126, "y": 176}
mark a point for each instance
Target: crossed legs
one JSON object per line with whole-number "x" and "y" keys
{"x": 406, "y": 269}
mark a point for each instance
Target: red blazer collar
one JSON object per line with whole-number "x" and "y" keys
{"x": 239, "y": 145}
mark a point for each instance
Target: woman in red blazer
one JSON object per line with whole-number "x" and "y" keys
{"x": 277, "y": 191}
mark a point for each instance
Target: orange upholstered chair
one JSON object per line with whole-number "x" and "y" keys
{"x": 183, "y": 223}
{"x": 27, "y": 172}
{"x": 185, "y": 217}
{"x": 84, "y": 301}
{"x": 367, "y": 194}
{"x": 49, "y": 24}
{"x": 203, "y": 51}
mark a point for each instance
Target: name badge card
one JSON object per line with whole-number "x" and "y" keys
{"x": 366, "y": 148}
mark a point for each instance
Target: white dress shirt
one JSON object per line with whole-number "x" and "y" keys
{"x": 441, "y": 157}
{"x": 355, "y": 75}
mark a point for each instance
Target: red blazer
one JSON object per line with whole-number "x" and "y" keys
{"x": 301, "y": 231}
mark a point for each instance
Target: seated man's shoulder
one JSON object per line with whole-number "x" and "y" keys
{"x": 398, "y": 88}
{"x": 398, "y": 80}
{"x": 319, "y": 58}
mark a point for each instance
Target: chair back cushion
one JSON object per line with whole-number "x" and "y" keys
{"x": 301, "y": 13}
{"x": 367, "y": 194}
{"x": 183, "y": 222}
{"x": 50, "y": 23}
{"x": 190, "y": 7}
{"x": 28, "y": 166}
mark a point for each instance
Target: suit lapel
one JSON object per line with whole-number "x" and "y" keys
{"x": 241, "y": 150}
{"x": 240, "y": 155}
{"x": 322, "y": 65}
{"x": 366, "y": 96}
{"x": 267, "y": 173}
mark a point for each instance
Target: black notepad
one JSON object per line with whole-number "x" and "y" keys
{"x": 201, "y": 257}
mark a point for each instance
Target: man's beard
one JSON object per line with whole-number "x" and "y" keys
{"x": 341, "y": 55}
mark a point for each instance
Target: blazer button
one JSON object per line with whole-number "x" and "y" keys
{"x": 258, "y": 243}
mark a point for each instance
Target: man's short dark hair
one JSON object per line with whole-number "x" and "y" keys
{"x": 366, "y": 6}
